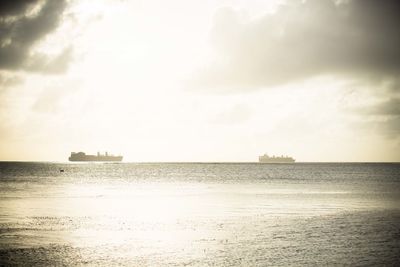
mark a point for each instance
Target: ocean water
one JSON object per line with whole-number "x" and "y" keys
{"x": 200, "y": 214}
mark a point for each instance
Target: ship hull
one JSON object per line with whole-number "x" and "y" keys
{"x": 81, "y": 156}
{"x": 267, "y": 159}
{"x": 95, "y": 158}
{"x": 276, "y": 161}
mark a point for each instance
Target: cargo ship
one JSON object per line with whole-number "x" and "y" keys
{"x": 282, "y": 159}
{"x": 81, "y": 156}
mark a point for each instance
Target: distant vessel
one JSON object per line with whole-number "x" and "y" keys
{"x": 282, "y": 159}
{"x": 81, "y": 156}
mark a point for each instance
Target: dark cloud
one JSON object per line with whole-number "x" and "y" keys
{"x": 14, "y": 7}
{"x": 304, "y": 39}
{"x": 22, "y": 25}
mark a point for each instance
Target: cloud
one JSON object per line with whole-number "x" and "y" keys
{"x": 58, "y": 64}
{"x": 303, "y": 39}
{"x": 22, "y": 25}
{"x": 382, "y": 117}
{"x": 15, "y": 7}
{"x": 389, "y": 126}
{"x": 236, "y": 114}
{"x": 52, "y": 99}
{"x": 389, "y": 107}
{"x": 6, "y": 82}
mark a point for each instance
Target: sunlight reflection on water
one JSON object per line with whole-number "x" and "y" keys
{"x": 130, "y": 221}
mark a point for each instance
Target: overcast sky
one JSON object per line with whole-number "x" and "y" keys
{"x": 183, "y": 80}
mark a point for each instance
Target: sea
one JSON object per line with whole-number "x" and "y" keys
{"x": 199, "y": 214}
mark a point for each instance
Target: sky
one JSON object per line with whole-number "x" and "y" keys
{"x": 185, "y": 80}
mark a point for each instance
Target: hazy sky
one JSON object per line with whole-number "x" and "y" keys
{"x": 183, "y": 80}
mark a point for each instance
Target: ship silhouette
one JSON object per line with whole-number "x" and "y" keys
{"x": 282, "y": 159}
{"x": 81, "y": 156}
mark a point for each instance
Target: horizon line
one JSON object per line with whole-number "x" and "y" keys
{"x": 194, "y": 162}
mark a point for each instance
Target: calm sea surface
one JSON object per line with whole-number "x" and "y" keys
{"x": 199, "y": 214}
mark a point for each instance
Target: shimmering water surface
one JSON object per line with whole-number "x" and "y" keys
{"x": 199, "y": 214}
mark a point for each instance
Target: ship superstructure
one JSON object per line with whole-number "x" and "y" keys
{"x": 81, "y": 156}
{"x": 275, "y": 159}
